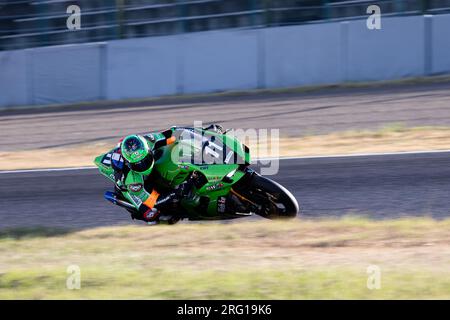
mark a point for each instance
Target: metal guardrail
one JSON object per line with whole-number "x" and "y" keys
{"x": 43, "y": 22}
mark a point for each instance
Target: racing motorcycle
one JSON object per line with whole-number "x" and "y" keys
{"x": 224, "y": 185}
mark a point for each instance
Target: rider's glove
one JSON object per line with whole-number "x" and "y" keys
{"x": 216, "y": 128}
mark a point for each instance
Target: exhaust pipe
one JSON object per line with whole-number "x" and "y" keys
{"x": 112, "y": 197}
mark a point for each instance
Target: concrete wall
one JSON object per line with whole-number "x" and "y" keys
{"x": 227, "y": 60}
{"x": 64, "y": 74}
{"x": 13, "y": 78}
{"x": 305, "y": 55}
{"x": 218, "y": 61}
{"x": 440, "y": 41}
{"x": 395, "y": 51}
{"x": 143, "y": 67}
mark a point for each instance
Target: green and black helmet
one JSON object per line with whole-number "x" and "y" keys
{"x": 136, "y": 151}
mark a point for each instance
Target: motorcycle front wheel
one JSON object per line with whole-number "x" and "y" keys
{"x": 268, "y": 198}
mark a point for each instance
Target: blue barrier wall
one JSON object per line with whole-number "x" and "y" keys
{"x": 213, "y": 61}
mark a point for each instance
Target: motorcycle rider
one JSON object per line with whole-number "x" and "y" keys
{"x": 133, "y": 161}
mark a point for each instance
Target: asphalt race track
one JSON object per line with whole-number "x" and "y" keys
{"x": 381, "y": 186}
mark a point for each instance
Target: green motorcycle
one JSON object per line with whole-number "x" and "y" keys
{"x": 224, "y": 186}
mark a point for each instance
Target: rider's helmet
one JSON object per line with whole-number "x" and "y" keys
{"x": 137, "y": 153}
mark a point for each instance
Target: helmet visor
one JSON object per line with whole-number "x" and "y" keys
{"x": 142, "y": 165}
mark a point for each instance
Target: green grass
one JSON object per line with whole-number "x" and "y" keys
{"x": 325, "y": 259}
{"x": 262, "y": 283}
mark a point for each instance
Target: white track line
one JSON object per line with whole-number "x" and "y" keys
{"x": 47, "y": 170}
{"x": 358, "y": 155}
{"x": 259, "y": 159}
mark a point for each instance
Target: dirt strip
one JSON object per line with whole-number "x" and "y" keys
{"x": 389, "y": 139}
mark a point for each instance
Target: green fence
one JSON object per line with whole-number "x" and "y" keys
{"x": 43, "y": 22}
